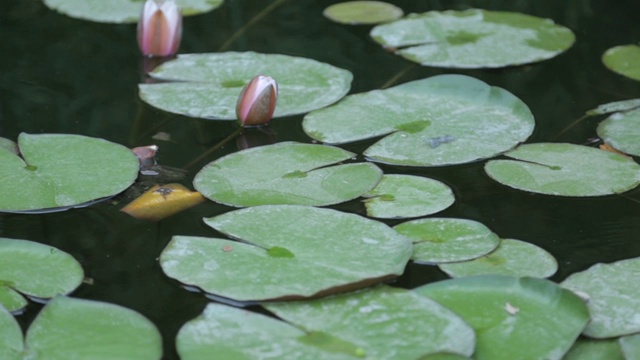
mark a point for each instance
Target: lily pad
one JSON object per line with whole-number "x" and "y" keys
{"x": 442, "y": 120}
{"x": 403, "y": 196}
{"x": 382, "y": 322}
{"x": 121, "y": 11}
{"x": 514, "y": 318}
{"x": 60, "y": 171}
{"x": 630, "y": 346}
{"x": 474, "y": 38}
{"x": 565, "y": 170}
{"x": 232, "y": 333}
{"x": 9, "y": 145}
{"x": 622, "y": 131}
{"x": 588, "y": 349}
{"x": 615, "y": 106}
{"x": 439, "y": 240}
{"x": 613, "y": 297}
{"x": 287, "y": 251}
{"x": 362, "y": 12}
{"x": 208, "y": 85}
{"x": 512, "y": 257}
{"x": 11, "y": 344}
{"x": 35, "y": 270}
{"x": 68, "y": 328}
{"x": 623, "y": 60}
{"x": 286, "y": 173}
{"x": 11, "y": 299}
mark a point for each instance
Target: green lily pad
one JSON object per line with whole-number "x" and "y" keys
{"x": 36, "y": 270}
{"x": 68, "y": 328}
{"x": 565, "y": 170}
{"x": 615, "y": 106}
{"x": 9, "y": 145}
{"x": 514, "y": 318}
{"x": 232, "y": 333}
{"x": 623, "y": 60}
{"x": 11, "y": 344}
{"x": 442, "y": 120}
{"x": 382, "y": 322}
{"x": 474, "y": 38}
{"x": 512, "y": 257}
{"x": 121, "y": 11}
{"x": 11, "y": 299}
{"x": 622, "y": 131}
{"x": 438, "y": 240}
{"x": 630, "y": 346}
{"x": 362, "y": 12}
{"x": 286, "y": 173}
{"x": 613, "y": 300}
{"x": 588, "y": 349}
{"x": 349, "y": 251}
{"x": 208, "y": 85}
{"x": 403, "y": 196}
{"x": 61, "y": 171}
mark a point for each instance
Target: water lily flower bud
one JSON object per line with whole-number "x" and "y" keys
{"x": 160, "y": 28}
{"x": 257, "y": 101}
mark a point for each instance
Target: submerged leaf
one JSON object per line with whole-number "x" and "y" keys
{"x": 362, "y": 12}
{"x": 162, "y": 201}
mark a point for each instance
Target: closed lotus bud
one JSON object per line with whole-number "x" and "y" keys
{"x": 160, "y": 28}
{"x": 257, "y": 101}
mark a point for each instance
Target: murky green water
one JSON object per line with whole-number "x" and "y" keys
{"x": 62, "y": 75}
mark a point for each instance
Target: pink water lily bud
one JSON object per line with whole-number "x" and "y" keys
{"x": 257, "y": 101}
{"x": 160, "y": 28}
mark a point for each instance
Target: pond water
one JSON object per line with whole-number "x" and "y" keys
{"x": 63, "y": 75}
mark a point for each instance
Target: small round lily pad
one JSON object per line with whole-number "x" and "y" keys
{"x": 622, "y": 131}
{"x": 565, "y": 170}
{"x": 404, "y": 196}
{"x": 512, "y": 257}
{"x": 440, "y": 240}
{"x": 362, "y": 12}
{"x": 474, "y": 38}
{"x": 624, "y": 60}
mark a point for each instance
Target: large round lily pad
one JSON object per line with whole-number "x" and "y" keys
{"x": 36, "y": 270}
{"x": 68, "y": 328}
{"x": 613, "y": 297}
{"x": 512, "y": 257}
{"x": 624, "y": 60}
{"x": 383, "y": 322}
{"x": 121, "y": 11}
{"x": 208, "y": 85}
{"x": 439, "y": 240}
{"x": 62, "y": 171}
{"x": 362, "y": 12}
{"x": 622, "y": 131}
{"x": 514, "y": 318}
{"x": 566, "y": 170}
{"x": 286, "y": 173}
{"x": 442, "y": 120}
{"x": 474, "y": 38}
{"x": 403, "y": 196}
{"x": 287, "y": 251}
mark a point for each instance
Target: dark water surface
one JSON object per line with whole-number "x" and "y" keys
{"x": 62, "y": 75}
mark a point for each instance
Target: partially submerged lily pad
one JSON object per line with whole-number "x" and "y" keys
{"x": 68, "y": 328}
{"x": 442, "y": 120}
{"x": 208, "y": 85}
{"x": 474, "y": 38}
{"x": 286, "y": 173}
{"x": 439, "y": 240}
{"x": 622, "y": 131}
{"x": 59, "y": 171}
{"x": 35, "y": 270}
{"x": 511, "y": 257}
{"x": 121, "y": 11}
{"x": 613, "y": 297}
{"x": 362, "y": 12}
{"x": 624, "y": 60}
{"x": 287, "y": 251}
{"x": 403, "y": 196}
{"x": 565, "y": 170}
{"x": 514, "y": 318}
{"x": 615, "y": 106}
{"x": 382, "y": 322}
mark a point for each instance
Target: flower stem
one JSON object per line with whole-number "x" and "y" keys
{"x": 249, "y": 24}
{"x": 213, "y": 149}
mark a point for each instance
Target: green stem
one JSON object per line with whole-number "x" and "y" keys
{"x": 213, "y": 149}
{"x": 571, "y": 125}
{"x": 249, "y": 24}
{"x": 397, "y": 76}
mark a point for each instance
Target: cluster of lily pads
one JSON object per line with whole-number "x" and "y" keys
{"x": 320, "y": 271}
